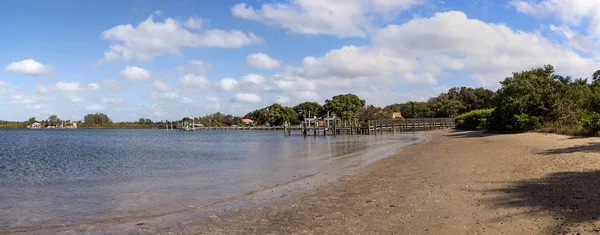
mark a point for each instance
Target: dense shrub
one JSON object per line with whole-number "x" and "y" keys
{"x": 525, "y": 122}
{"x": 476, "y": 119}
{"x": 591, "y": 122}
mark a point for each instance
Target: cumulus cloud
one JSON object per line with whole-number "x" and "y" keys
{"x": 282, "y": 99}
{"x": 194, "y": 22}
{"x": 226, "y": 84}
{"x": 76, "y": 99}
{"x": 28, "y": 67}
{"x": 135, "y": 74}
{"x": 112, "y": 100}
{"x": 262, "y": 61}
{"x": 67, "y": 87}
{"x": 253, "y": 79}
{"x": 249, "y": 98}
{"x": 95, "y": 108}
{"x": 191, "y": 83}
{"x": 161, "y": 86}
{"x": 111, "y": 84}
{"x": 150, "y": 39}
{"x": 344, "y": 18}
{"x": 568, "y": 11}
{"x": 6, "y": 88}
{"x": 478, "y": 47}
{"x": 195, "y": 67}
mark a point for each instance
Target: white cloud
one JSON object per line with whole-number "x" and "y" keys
{"x": 474, "y": 46}
{"x": 262, "y": 61}
{"x": 226, "y": 84}
{"x": 282, "y": 99}
{"x": 6, "y": 88}
{"x": 112, "y": 84}
{"x": 191, "y": 82}
{"x": 195, "y": 67}
{"x": 570, "y": 12}
{"x": 194, "y": 22}
{"x": 25, "y": 99}
{"x": 95, "y": 108}
{"x": 253, "y": 79}
{"x": 186, "y": 100}
{"x": 170, "y": 95}
{"x": 573, "y": 38}
{"x": 112, "y": 100}
{"x": 247, "y": 98}
{"x": 150, "y": 39}
{"x": 344, "y": 18}
{"x": 28, "y": 67}
{"x": 67, "y": 87}
{"x": 76, "y": 99}
{"x": 135, "y": 74}
{"x": 161, "y": 86}
{"x": 38, "y": 107}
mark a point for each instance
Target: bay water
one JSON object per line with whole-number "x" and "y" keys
{"x": 75, "y": 176}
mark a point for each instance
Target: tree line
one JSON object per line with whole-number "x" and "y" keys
{"x": 456, "y": 101}
{"x": 540, "y": 99}
{"x": 536, "y": 99}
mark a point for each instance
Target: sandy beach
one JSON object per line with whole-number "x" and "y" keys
{"x": 460, "y": 182}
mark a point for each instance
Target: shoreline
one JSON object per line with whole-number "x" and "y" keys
{"x": 458, "y": 182}
{"x": 188, "y": 214}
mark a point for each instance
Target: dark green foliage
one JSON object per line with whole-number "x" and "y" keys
{"x": 273, "y": 115}
{"x": 476, "y": 119}
{"x": 97, "y": 118}
{"x": 308, "y": 108}
{"x": 591, "y": 122}
{"x": 346, "y": 106}
{"x": 412, "y": 109}
{"x": 373, "y": 113}
{"x": 525, "y": 122}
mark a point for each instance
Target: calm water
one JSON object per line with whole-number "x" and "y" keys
{"x": 54, "y": 177}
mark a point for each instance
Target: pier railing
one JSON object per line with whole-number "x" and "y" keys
{"x": 336, "y": 127}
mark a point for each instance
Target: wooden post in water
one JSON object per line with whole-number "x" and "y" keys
{"x": 334, "y": 127}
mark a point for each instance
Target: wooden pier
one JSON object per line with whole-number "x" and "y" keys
{"x": 333, "y": 127}
{"x": 373, "y": 127}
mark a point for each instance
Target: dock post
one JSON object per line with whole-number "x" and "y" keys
{"x": 334, "y": 128}
{"x": 304, "y": 128}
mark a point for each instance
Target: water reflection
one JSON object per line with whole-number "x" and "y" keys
{"x": 53, "y": 177}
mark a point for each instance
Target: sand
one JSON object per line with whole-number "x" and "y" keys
{"x": 458, "y": 183}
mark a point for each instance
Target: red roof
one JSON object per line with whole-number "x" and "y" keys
{"x": 246, "y": 120}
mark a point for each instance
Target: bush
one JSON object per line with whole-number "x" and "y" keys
{"x": 476, "y": 119}
{"x": 525, "y": 122}
{"x": 591, "y": 122}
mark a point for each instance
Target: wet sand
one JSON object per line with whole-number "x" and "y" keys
{"x": 458, "y": 183}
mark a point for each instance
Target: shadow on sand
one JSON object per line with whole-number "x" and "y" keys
{"x": 571, "y": 197}
{"x": 593, "y": 147}
{"x": 457, "y": 133}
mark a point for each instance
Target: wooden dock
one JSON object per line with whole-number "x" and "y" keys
{"x": 335, "y": 127}
{"x": 373, "y": 127}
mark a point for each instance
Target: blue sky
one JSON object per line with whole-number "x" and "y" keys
{"x": 168, "y": 59}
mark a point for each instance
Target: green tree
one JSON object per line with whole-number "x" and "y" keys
{"x": 345, "y": 106}
{"x": 373, "y": 113}
{"x": 53, "y": 120}
{"x": 308, "y": 108}
{"x": 97, "y": 118}
{"x": 535, "y": 93}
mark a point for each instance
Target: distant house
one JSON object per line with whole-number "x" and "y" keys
{"x": 248, "y": 122}
{"x": 397, "y": 115}
{"x": 36, "y": 125}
